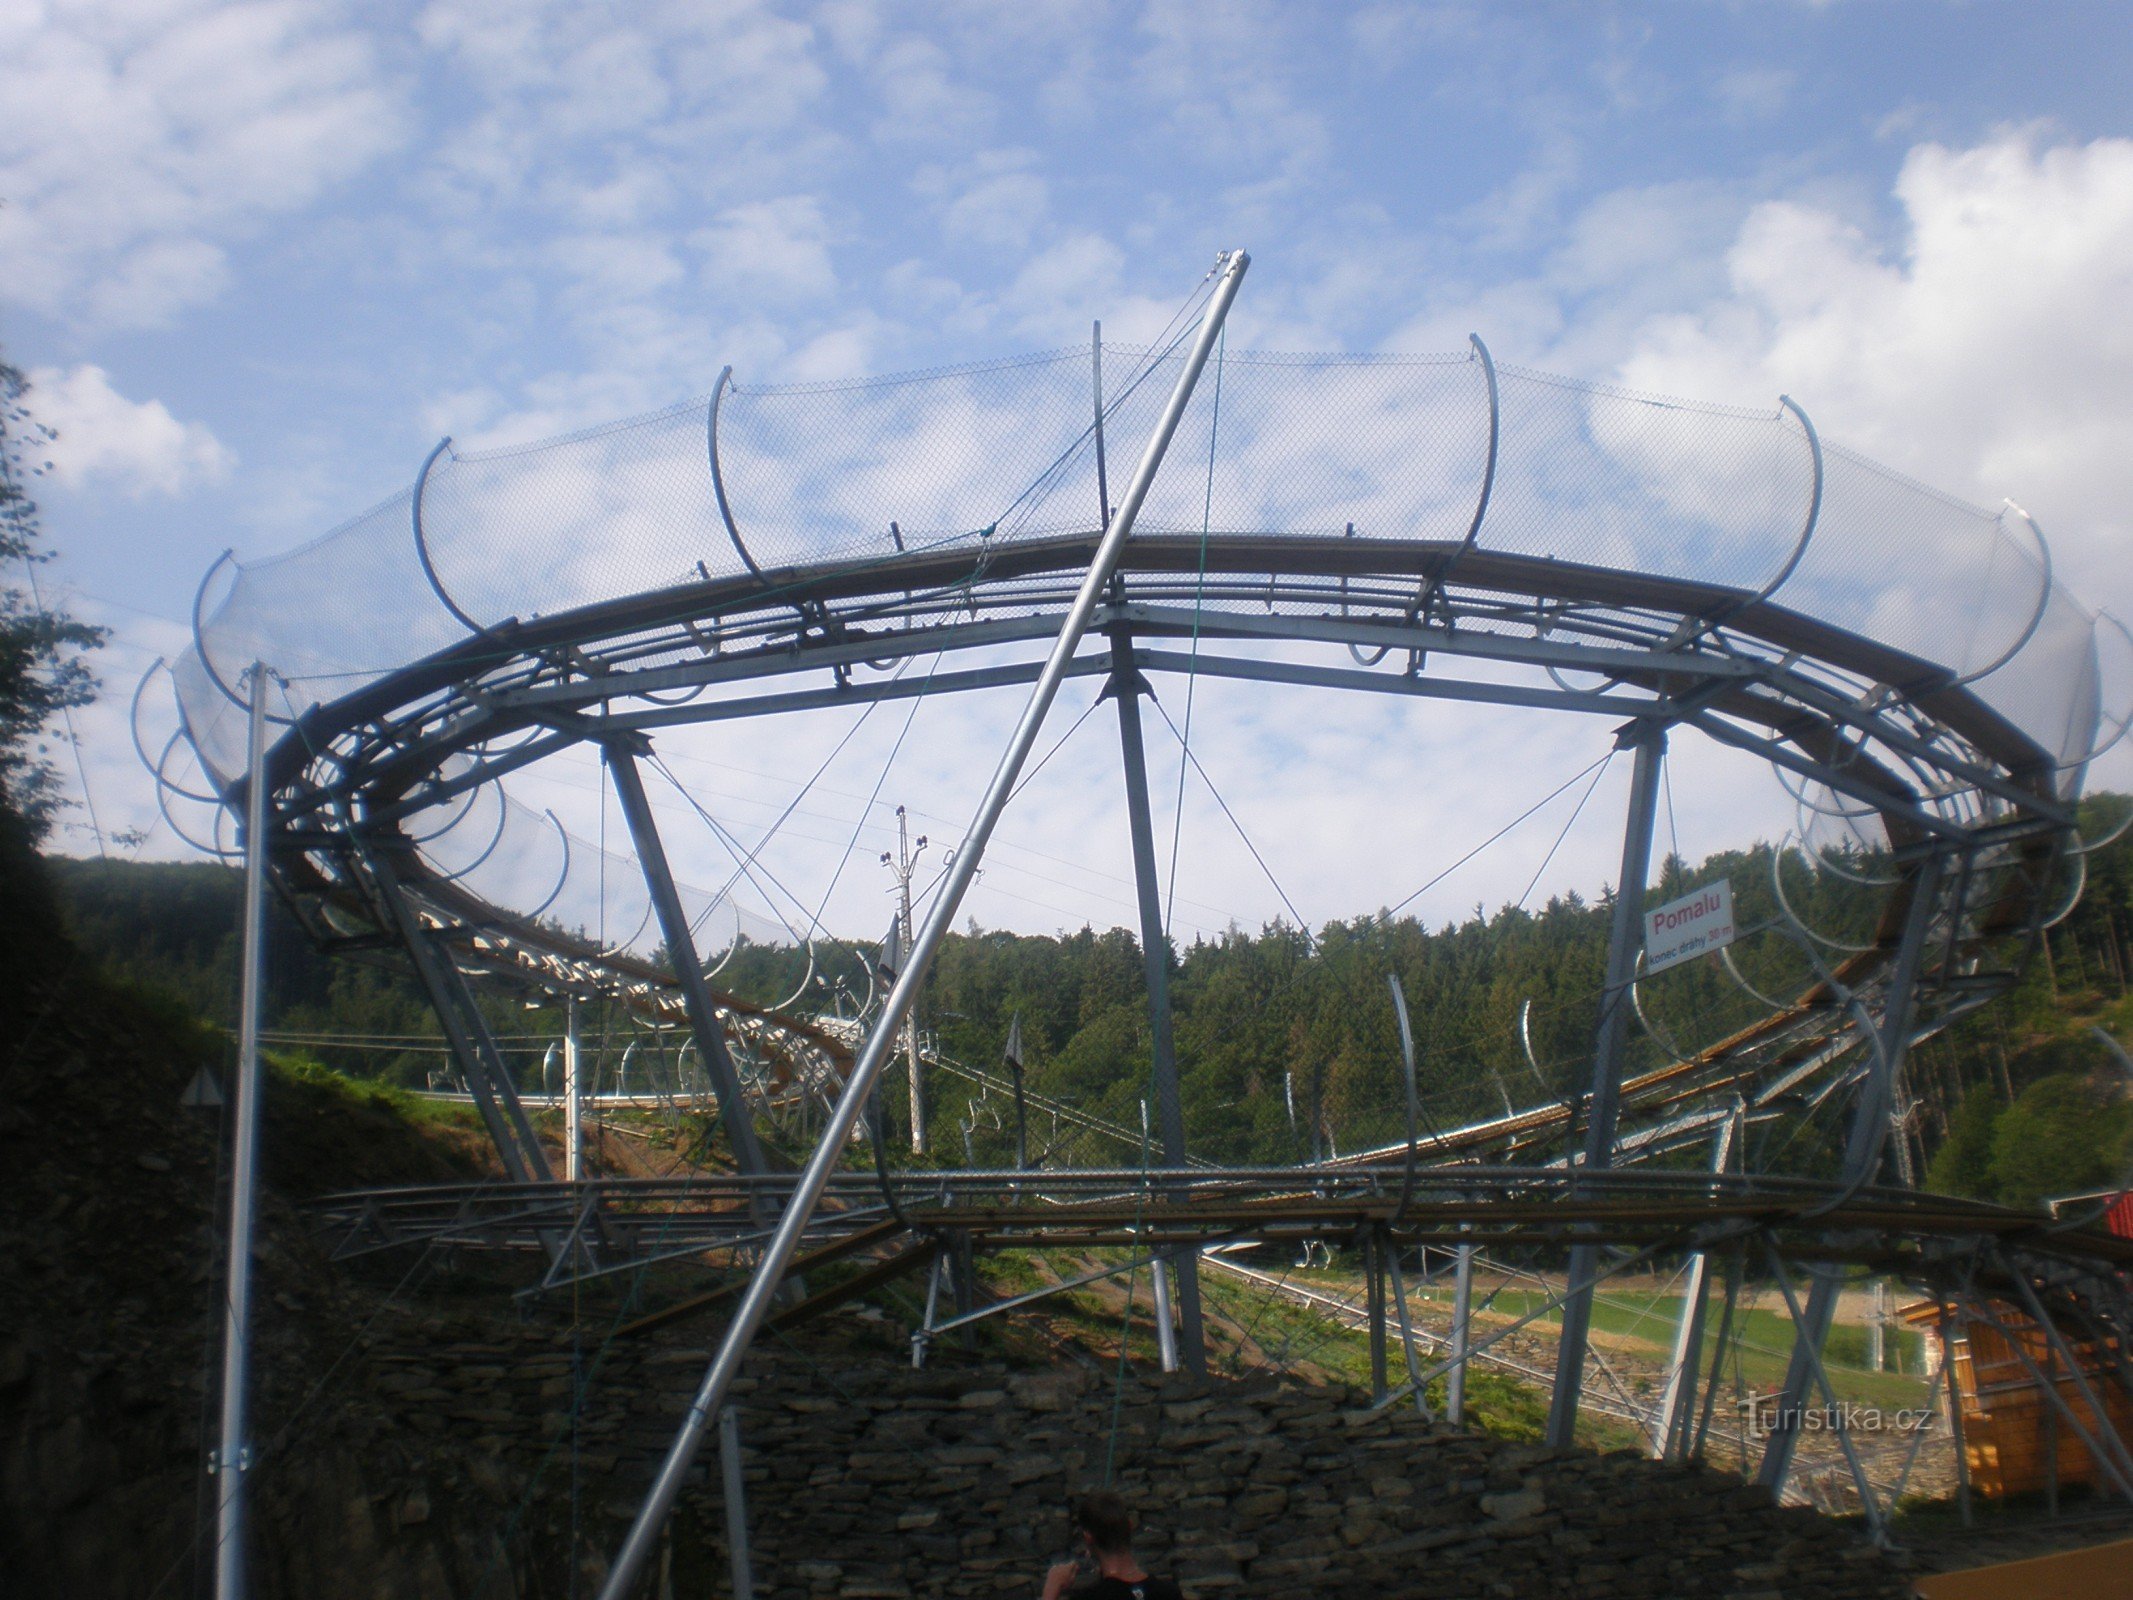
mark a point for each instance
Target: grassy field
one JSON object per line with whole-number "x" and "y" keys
{"x": 1759, "y": 1346}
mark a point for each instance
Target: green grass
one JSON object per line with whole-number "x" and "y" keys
{"x": 1501, "y": 1406}
{"x": 1761, "y": 1342}
{"x": 368, "y": 1093}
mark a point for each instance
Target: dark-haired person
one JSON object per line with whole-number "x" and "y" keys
{"x": 1105, "y": 1527}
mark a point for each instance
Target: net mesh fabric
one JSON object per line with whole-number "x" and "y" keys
{"x": 1296, "y": 445}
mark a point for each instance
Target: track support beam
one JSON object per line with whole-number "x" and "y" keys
{"x": 1625, "y": 938}
{"x": 1862, "y": 1155}
{"x": 621, "y": 756}
{"x": 718, "y": 1378}
{"x": 1127, "y": 687}
{"x": 465, "y": 1031}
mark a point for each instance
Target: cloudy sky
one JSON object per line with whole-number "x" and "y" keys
{"x": 259, "y": 258}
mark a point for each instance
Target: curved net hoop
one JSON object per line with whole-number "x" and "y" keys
{"x": 1318, "y": 446}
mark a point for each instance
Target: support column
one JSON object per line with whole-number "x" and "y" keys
{"x": 1677, "y": 1404}
{"x": 465, "y": 1031}
{"x": 1127, "y": 687}
{"x": 1625, "y": 937}
{"x": 1374, "y": 1300}
{"x": 1166, "y": 1332}
{"x": 1862, "y": 1154}
{"x": 729, "y": 1460}
{"x": 233, "y": 1457}
{"x": 748, "y": 1316}
{"x": 573, "y": 1093}
{"x": 621, "y": 755}
{"x": 1462, "y": 1334}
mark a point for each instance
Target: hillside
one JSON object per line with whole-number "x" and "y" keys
{"x": 1286, "y": 1042}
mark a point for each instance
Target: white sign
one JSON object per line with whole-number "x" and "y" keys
{"x": 1689, "y": 926}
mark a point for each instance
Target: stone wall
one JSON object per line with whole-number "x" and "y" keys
{"x": 866, "y": 1481}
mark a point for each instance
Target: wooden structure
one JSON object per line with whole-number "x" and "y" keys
{"x": 2015, "y": 1439}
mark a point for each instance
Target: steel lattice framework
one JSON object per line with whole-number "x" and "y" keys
{"x": 1521, "y": 541}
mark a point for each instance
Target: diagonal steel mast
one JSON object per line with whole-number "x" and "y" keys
{"x": 644, "y": 1533}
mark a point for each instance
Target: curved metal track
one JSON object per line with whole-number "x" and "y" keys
{"x": 356, "y": 779}
{"x": 1975, "y": 815}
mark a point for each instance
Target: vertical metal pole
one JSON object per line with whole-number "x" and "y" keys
{"x": 1677, "y": 1403}
{"x": 573, "y": 1094}
{"x": 1736, "y": 1269}
{"x": 1877, "y": 1328}
{"x": 1127, "y": 687}
{"x": 1951, "y": 1330}
{"x": 681, "y": 951}
{"x": 729, "y": 1458}
{"x": 234, "y": 1457}
{"x": 1462, "y": 1325}
{"x": 1374, "y": 1300}
{"x": 643, "y": 1536}
{"x": 1166, "y": 1333}
{"x": 923, "y": 1338}
{"x": 1863, "y": 1147}
{"x": 905, "y": 862}
{"x": 1625, "y": 937}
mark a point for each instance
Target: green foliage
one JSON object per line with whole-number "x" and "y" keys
{"x": 2063, "y": 1135}
{"x": 42, "y": 672}
{"x": 1287, "y": 1044}
{"x": 1963, "y": 1164}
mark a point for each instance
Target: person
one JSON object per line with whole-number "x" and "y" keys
{"x": 1104, "y": 1528}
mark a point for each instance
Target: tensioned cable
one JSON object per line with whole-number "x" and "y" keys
{"x": 880, "y": 783}
{"x": 1605, "y": 761}
{"x": 1537, "y": 805}
{"x": 1189, "y": 756}
{"x": 1030, "y": 777}
{"x": 793, "y": 805}
{"x": 1673, "y": 826}
{"x": 747, "y": 864}
{"x": 1192, "y": 668}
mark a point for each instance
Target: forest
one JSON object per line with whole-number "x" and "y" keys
{"x": 1286, "y": 1038}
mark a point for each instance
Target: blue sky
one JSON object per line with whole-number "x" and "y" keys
{"x": 259, "y": 258}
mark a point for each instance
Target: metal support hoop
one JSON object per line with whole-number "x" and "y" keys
{"x": 503, "y": 816}
{"x": 207, "y": 660}
{"x": 422, "y": 543}
{"x": 2036, "y": 617}
{"x": 1777, "y": 885}
{"x": 718, "y": 477}
{"x": 2125, "y": 722}
{"x": 1814, "y": 503}
{"x": 1414, "y": 1132}
{"x": 561, "y": 877}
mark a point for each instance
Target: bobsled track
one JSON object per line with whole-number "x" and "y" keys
{"x": 1435, "y": 527}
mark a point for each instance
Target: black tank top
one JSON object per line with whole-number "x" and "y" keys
{"x": 1119, "y": 1589}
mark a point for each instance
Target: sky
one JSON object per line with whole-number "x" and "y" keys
{"x": 258, "y": 258}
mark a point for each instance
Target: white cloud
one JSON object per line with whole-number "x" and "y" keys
{"x": 140, "y": 141}
{"x": 1988, "y": 352}
{"x": 1000, "y": 209}
{"x": 770, "y": 249}
{"x": 134, "y": 445}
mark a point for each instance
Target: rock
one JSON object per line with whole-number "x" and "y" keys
{"x": 415, "y": 1507}
{"x": 1515, "y": 1506}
